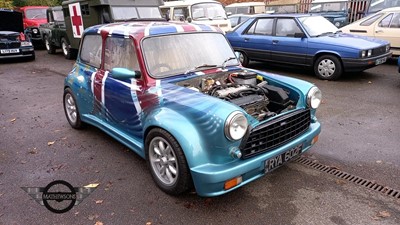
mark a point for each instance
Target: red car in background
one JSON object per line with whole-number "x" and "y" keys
{"x": 33, "y": 16}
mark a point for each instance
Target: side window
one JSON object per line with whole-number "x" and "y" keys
{"x": 180, "y": 14}
{"x": 120, "y": 52}
{"x": 385, "y": 22}
{"x": 371, "y": 20}
{"x": 262, "y": 26}
{"x": 91, "y": 50}
{"x": 395, "y": 21}
{"x": 287, "y": 28}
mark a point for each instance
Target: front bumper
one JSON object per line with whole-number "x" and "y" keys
{"x": 358, "y": 65}
{"x": 23, "y": 52}
{"x": 209, "y": 179}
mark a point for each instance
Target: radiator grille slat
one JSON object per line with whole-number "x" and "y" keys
{"x": 275, "y": 133}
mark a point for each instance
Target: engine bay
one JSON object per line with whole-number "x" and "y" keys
{"x": 245, "y": 89}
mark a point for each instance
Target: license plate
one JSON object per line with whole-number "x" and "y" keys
{"x": 7, "y": 51}
{"x": 380, "y": 61}
{"x": 279, "y": 160}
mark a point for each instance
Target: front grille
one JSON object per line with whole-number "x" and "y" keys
{"x": 274, "y": 133}
{"x": 379, "y": 51}
{"x": 8, "y": 45}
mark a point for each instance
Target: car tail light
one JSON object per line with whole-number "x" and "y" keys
{"x": 22, "y": 36}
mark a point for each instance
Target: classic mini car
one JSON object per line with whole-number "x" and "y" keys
{"x": 306, "y": 40}
{"x": 384, "y": 25}
{"x": 176, "y": 95}
{"x": 13, "y": 42}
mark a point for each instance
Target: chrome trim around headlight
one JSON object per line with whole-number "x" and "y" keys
{"x": 314, "y": 97}
{"x": 235, "y": 126}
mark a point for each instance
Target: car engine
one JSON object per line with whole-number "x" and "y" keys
{"x": 256, "y": 97}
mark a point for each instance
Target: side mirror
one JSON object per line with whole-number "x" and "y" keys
{"x": 123, "y": 73}
{"x": 299, "y": 35}
{"x": 189, "y": 19}
{"x": 228, "y": 13}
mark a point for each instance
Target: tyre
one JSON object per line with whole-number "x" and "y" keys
{"x": 71, "y": 110}
{"x": 167, "y": 162}
{"x": 67, "y": 51}
{"x": 51, "y": 49}
{"x": 328, "y": 67}
{"x": 243, "y": 59}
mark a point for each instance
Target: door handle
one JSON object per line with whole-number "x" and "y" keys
{"x": 246, "y": 39}
{"x": 379, "y": 31}
{"x": 275, "y": 42}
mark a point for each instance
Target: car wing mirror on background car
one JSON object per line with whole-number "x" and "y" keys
{"x": 189, "y": 19}
{"x": 123, "y": 73}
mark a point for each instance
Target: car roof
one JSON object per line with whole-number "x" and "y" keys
{"x": 186, "y": 3}
{"x": 392, "y": 9}
{"x": 283, "y": 15}
{"x": 140, "y": 29}
{"x": 242, "y": 4}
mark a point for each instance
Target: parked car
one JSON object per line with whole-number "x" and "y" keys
{"x": 283, "y": 6}
{"x": 398, "y": 63}
{"x": 384, "y": 25}
{"x": 54, "y": 32}
{"x": 13, "y": 42}
{"x": 175, "y": 94}
{"x": 306, "y": 40}
{"x": 245, "y": 8}
{"x": 33, "y": 16}
{"x": 236, "y": 19}
{"x": 336, "y": 11}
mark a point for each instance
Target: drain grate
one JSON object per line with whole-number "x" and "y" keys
{"x": 349, "y": 177}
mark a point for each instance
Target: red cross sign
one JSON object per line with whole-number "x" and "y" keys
{"x": 76, "y": 19}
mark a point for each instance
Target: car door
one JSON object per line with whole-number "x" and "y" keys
{"x": 89, "y": 64}
{"x": 257, "y": 40}
{"x": 287, "y": 45}
{"x": 121, "y": 95}
{"x": 389, "y": 29}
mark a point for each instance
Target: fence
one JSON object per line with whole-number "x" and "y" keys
{"x": 355, "y": 7}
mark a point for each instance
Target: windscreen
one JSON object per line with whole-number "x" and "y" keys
{"x": 170, "y": 55}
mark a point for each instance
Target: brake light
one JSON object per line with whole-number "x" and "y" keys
{"x": 22, "y": 36}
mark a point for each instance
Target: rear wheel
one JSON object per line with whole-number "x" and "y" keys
{"x": 71, "y": 110}
{"x": 49, "y": 47}
{"x": 167, "y": 162}
{"x": 328, "y": 67}
{"x": 67, "y": 51}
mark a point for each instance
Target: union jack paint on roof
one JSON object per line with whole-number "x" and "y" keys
{"x": 143, "y": 29}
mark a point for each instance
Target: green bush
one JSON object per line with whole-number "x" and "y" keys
{"x": 20, "y": 3}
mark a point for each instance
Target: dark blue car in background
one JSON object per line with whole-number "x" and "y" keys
{"x": 306, "y": 40}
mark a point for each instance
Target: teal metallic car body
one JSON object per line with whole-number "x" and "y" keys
{"x": 196, "y": 120}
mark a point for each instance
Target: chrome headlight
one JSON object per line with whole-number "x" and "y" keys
{"x": 35, "y": 31}
{"x": 366, "y": 53}
{"x": 387, "y": 48}
{"x": 235, "y": 126}
{"x": 314, "y": 97}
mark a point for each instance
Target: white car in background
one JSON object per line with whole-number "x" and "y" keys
{"x": 384, "y": 24}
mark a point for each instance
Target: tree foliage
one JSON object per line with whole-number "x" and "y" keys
{"x": 7, "y": 4}
{"x": 20, "y": 3}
